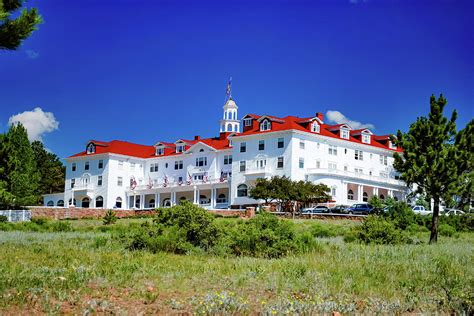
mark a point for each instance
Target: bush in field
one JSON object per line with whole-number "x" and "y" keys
{"x": 60, "y": 226}
{"x": 401, "y": 215}
{"x": 377, "y": 230}
{"x": 446, "y": 230}
{"x": 109, "y": 217}
{"x": 3, "y": 219}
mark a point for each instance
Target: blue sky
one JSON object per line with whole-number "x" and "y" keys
{"x": 145, "y": 71}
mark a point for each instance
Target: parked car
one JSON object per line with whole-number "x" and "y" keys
{"x": 363, "y": 208}
{"x": 452, "y": 212}
{"x": 315, "y": 210}
{"x": 420, "y": 209}
{"x": 340, "y": 209}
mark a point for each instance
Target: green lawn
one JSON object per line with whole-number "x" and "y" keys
{"x": 85, "y": 270}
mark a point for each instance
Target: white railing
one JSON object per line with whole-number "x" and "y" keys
{"x": 176, "y": 184}
{"x": 83, "y": 186}
{"x": 356, "y": 175}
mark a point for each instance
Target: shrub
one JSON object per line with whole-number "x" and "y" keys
{"x": 3, "y": 219}
{"x": 401, "y": 215}
{"x": 446, "y": 230}
{"x": 109, "y": 217}
{"x": 61, "y": 226}
{"x": 41, "y": 221}
{"x": 377, "y": 230}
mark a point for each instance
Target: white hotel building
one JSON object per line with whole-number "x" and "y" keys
{"x": 218, "y": 172}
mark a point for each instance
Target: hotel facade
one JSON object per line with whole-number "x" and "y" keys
{"x": 217, "y": 173}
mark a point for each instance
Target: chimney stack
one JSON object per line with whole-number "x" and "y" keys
{"x": 320, "y": 116}
{"x": 197, "y": 137}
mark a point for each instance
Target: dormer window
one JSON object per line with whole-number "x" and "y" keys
{"x": 247, "y": 122}
{"x": 179, "y": 148}
{"x": 160, "y": 151}
{"x": 265, "y": 125}
{"x": 90, "y": 148}
{"x": 391, "y": 145}
{"x": 344, "y": 133}
{"x": 366, "y": 138}
{"x": 315, "y": 128}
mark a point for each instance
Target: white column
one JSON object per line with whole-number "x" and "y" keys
{"x": 173, "y": 198}
{"x": 213, "y": 198}
{"x": 72, "y": 198}
{"x": 344, "y": 199}
{"x": 134, "y": 200}
{"x": 359, "y": 193}
{"x": 157, "y": 200}
{"x": 142, "y": 201}
{"x": 390, "y": 193}
{"x": 376, "y": 192}
{"x": 195, "y": 201}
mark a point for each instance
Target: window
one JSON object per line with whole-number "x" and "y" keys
{"x": 151, "y": 203}
{"x": 179, "y": 148}
{"x": 73, "y": 182}
{"x": 265, "y": 125}
{"x": 243, "y": 147}
{"x": 132, "y": 166}
{"x": 280, "y": 162}
{"x": 359, "y": 155}
{"x": 370, "y": 172}
{"x": 383, "y": 160}
{"x": 332, "y": 150}
{"x": 261, "y": 163}
{"x": 301, "y": 144}
{"x": 281, "y": 143}
{"x": 99, "y": 201}
{"x": 358, "y": 170}
{"x": 200, "y": 161}
{"x": 86, "y": 165}
{"x": 261, "y": 145}
{"x": 90, "y": 148}
{"x": 301, "y": 163}
{"x": 85, "y": 202}
{"x": 382, "y": 197}
{"x": 101, "y": 164}
{"x": 365, "y": 197}
{"x": 119, "y": 181}
{"x": 332, "y": 166}
{"x": 60, "y": 203}
{"x": 166, "y": 165}
{"x": 350, "y": 195}
{"x": 345, "y": 168}
{"x": 333, "y": 191}
{"x": 315, "y": 127}
{"x": 72, "y": 202}
{"x": 221, "y": 198}
{"x": 227, "y": 159}
{"x": 318, "y": 164}
{"x": 178, "y": 164}
{"x": 242, "y": 166}
{"x": 366, "y": 138}
{"x": 160, "y": 151}
{"x": 120, "y": 164}
{"x": 118, "y": 202}
{"x": 248, "y": 122}
{"x": 242, "y": 190}
{"x": 154, "y": 167}
{"x": 137, "y": 201}
{"x": 391, "y": 145}
{"x": 99, "y": 181}
{"x": 180, "y": 179}
{"x": 73, "y": 166}
{"x": 344, "y": 134}
{"x": 50, "y": 203}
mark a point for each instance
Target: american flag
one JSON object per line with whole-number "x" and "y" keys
{"x": 165, "y": 183}
{"x": 228, "y": 90}
{"x": 150, "y": 183}
{"x": 222, "y": 178}
{"x": 133, "y": 183}
{"x": 190, "y": 179}
{"x": 205, "y": 178}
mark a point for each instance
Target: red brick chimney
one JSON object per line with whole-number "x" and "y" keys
{"x": 320, "y": 116}
{"x": 197, "y": 137}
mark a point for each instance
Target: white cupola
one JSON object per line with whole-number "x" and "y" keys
{"x": 229, "y": 122}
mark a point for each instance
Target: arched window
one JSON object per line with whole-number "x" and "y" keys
{"x": 382, "y": 196}
{"x": 235, "y": 115}
{"x": 229, "y": 127}
{"x": 60, "y": 203}
{"x": 50, "y": 203}
{"x": 151, "y": 203}
{"x": 242, "y": 190}
{"x": 350, "y": 195}
{"x": 137, "y": 202}
{"x": 265, "y": 125}
{"x": 221, "y": 198}
{"x": 99, "y": 201}
{"x": 118, "y": 202}
{"x": 235, "y": 128}
{"x": 166, "y": 203}
{"x": 315, "y": 127}
{"x": 85, "y": 202}
{"x": 395, "y": 198}
{"x": 72, "y": 202}
{"x": 365, "y": 197}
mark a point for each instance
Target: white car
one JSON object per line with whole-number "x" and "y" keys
{"x": 420, "y": 209}
{"x": 452, "y": 211}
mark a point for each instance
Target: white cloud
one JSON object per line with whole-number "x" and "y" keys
{"x": 36, "y": 122}
{"x": 339, "y": 118}
{"x": 32, "y": 54}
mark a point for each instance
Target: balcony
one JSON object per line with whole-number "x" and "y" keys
{"x": 176, "y": 184}
{"x": 87, "y": 187}
{"x": 355, "y": 175}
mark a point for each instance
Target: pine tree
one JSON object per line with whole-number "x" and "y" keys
{"x": 19, "y": 167}
{"x": 14, "y": 31}
{"x": 432, "y": 161}
{"x": 51, "y": 170}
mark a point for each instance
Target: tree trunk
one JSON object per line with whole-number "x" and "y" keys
{"x": 435, "y": 222}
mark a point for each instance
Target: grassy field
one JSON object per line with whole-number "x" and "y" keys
{"x": 86, "y": 271}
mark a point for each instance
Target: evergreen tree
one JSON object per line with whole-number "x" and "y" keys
{"x": 50, "y": 168}
{"x": 20, "y": 177}
{"x": 14, "y": 30}
{"x": 432, "y": 158}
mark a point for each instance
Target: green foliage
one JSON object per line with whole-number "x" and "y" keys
{"x": 401, "y": 214}
{"x": 50, "y": 168}
{"x": 109, "y": 218}
{"x": 377, "y": 230}
{"x": 436, "y": 158}
{"x": 446, "y": 230}
{"x": 376, "y": 202}
{"x": 3, "y": 219}
{"x": 286, "y": 192}
{"x": 14, "y": 30}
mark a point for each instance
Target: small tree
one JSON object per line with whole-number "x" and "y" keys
{"x": 434, "y": 158}
{"x": 14, "y": 31}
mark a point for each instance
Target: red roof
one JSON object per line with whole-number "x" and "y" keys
{"x": 302, "y": 124}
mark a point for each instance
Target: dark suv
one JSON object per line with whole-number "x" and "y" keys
{"x": 340, "y": 209}
{"x": 362, "y": 208}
